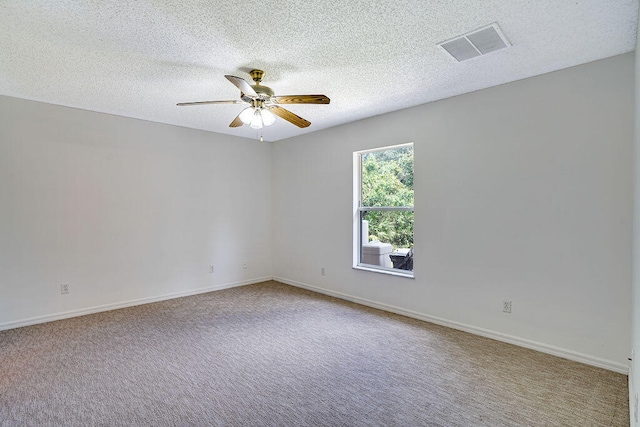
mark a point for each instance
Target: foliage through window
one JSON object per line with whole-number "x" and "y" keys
{"x": 384, "y": 213}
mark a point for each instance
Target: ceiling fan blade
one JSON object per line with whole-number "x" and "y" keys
{"x": 289, "y": 116}
{"x": 236, "y": 122}
{"x": 242, "y": 84}
{"x": 237, "y": 101}
{"x": 301, "y": 99}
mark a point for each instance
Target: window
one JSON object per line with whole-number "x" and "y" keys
{"x": 383, "y": 205}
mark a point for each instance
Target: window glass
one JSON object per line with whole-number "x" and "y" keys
{"x": 384, "y": 217}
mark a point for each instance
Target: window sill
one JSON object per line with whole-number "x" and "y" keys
{"x": 399, "y": 273}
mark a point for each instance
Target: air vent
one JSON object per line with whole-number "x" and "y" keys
{"x": 479, "y": 42}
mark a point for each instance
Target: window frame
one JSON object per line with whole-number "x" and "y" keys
{"x": 359, "y": 211}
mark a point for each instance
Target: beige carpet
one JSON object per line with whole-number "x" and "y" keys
{"x": 273, "y": 355}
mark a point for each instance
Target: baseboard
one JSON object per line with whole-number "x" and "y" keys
{"x": 124, "y": 304}
{"x": 510, "y": 339}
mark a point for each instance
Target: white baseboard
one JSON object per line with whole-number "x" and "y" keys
{"x": 124, "y": 304}
{"x": 533, "y": 345}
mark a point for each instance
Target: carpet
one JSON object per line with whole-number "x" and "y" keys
{"x": 270, "y": 354}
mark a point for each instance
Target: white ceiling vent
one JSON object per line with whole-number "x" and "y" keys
{"x": 479, "y": 42}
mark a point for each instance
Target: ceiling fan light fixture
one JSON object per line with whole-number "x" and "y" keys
{"x": 256, "y": 121}
{"x": 246, "y": 115}
{"x": 268, "y": 118}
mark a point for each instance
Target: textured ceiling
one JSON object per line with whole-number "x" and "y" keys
{"x": 139, "y": 58}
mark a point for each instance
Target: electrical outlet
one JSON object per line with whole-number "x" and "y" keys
{"x": 322, "y": 271}
{"x": 212, "y": 268}
{"x": 244, "y": 265}
{"x": 506, "y": 306}
{"x": 64, "y": 288}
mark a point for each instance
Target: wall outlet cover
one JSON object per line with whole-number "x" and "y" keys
{"x": 506, "y": 306}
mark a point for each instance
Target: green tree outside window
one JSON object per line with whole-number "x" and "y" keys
{"x": 387, "y": 180}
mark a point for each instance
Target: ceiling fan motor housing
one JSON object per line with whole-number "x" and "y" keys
{"x": 264, "y": 93}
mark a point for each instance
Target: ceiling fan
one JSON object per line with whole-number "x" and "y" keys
{"x": 263, "y": 104}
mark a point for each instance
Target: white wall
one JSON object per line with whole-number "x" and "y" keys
{"x": 522, "y": 192}
{"x": 123, "y": 210}
{"x": 634, "y": 375}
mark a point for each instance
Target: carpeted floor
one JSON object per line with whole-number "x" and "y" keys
{"x": 274, "y": 355}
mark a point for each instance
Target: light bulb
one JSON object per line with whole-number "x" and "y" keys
{"x": 256, "y": 121}
{"x": 267, "y": 117}
{"x": 246, "y": 115}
